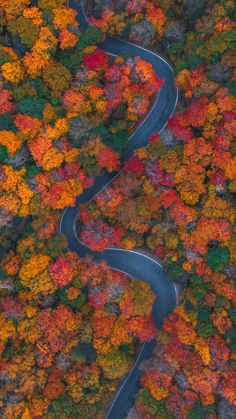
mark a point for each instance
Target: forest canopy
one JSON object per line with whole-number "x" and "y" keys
{"x": 70, "y": 329}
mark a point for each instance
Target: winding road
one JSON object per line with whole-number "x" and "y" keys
{"x": 134, "y": 263}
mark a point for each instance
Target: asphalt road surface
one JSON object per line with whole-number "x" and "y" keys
{"x": 135, "y": 263}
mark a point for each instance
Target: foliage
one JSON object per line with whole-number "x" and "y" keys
{"x": 57, "y": 358}
{"x": 69, "y": 328}
{"x": 63, "y": 324}
{"x": 175, "y": 198}
{"x": 52, "y": 75}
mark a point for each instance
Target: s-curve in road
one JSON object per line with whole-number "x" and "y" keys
{"x": 135, "y": 263}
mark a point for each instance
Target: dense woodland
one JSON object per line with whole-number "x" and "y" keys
{"x": 70, "y": 329}
{"x": 175, "y": 198}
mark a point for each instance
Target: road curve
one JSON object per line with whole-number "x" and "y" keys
{"x": 134, "y": 263}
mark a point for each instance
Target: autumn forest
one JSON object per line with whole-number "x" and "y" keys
{"x": 71, "y": 327}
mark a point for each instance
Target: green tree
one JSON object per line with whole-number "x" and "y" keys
{"x": 4, "y": 57}
{"x": 217, "y": 258}
{"x": 3, "y": 153}
{"x": 196, "y": 411}
{"x": 25, "y": 29}
{"x": 194, "y": 9}
{"x": 154, "y": 407}
{"x": 6, "y": 123}
{"x": 32, "y": 106}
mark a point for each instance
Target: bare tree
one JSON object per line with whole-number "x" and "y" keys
{"x": 80, "y": 130}
{"x": 20, "y": 158}
{"x": 174, "y": 32}
{"x": 219, "y": 73}
{"x": 226, "y": 410}
{"x": 142, "y": 33}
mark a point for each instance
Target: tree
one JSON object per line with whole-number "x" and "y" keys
{"x": 142, "y": 327}
{"x": 114, "y": 364}
{"x": 97, "y": 60}
{"x": 10, "y": 141}
{"x": 62, "y": 271}
{"x": 99, "y": 235}
{"x": 74, "y": 102}
{"x": 108, "y": 159}
{"x": 13, "y": 71}
{"x": 57, "y": 77}
{"x": 194, "y": 10}
{"x": 63, "y": 17}
{"x": 67, "y": 39}
{"x": 142, "y": 32}
{"x": 132, "y": 302}
{"x": 217, "y": 258}
{"x": 32, "y": 106}
{"x": 25, "y": 29}
{"x": 6, "y": 104}
{"x": 219, "y": 72}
